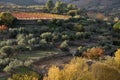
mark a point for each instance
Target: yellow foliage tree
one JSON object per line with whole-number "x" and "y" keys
{"x": 77, "y": 69}
{"x": 117, "y": 56}
{"x": 53, "y": 73}
{"x": 25, "y": 76}
{"x": 117, "y": 59}
{"x": 102, "y": 71}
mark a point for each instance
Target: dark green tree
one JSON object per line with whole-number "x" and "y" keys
{"x": 60, "y": 7}
{"x": 8, "y": 50}
{"x": 71, "y": 7}
{"x": 64, "y": 46}
{"x": 6, "y": 18}
{"x": 72, "y": 12}
{"x": 49, "y": 5}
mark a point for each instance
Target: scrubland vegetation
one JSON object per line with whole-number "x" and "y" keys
{"x": 83, "y": 69}
{"x": 93, "y": 45}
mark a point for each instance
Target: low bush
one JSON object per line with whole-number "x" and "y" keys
{"x": 117, "y": 56}
{"x": 82, "y": 35}
{"x": 47, "y": 36}
{"x": 79, "y": 28}
{"x": 77, "y": 69}
{"x": 104, "y": 72}
{"x": 80, "y": 50}
{"x": 8, "y": 50}
{"x": 26, "y": 76}
{"x": 64, "y": 46}
{"x": 116, "y": 26}
{"x": 94, "y": 53}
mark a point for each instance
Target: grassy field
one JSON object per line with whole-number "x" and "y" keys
{"x": 3, "y": 78}
{"x": 35, "y": 55}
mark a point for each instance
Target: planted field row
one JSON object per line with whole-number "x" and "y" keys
{"x": 32, "y": 16}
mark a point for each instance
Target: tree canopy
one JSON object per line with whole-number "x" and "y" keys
{"x": 116, "y": 26}
{"x": 49, "y": 5}
{"x": 6, "y": 18}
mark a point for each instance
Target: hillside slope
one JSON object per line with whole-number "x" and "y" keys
{"x": 89, "y": 4}
{"x": 81, "y": 3}
{"x": 19, "y": 2}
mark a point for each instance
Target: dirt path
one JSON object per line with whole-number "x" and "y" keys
{"x": 43, "y": 66}
{"x": 2, "y": 74}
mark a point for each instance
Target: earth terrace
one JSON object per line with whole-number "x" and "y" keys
{"x": 36, "y": 16}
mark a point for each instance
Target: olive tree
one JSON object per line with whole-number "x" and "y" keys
{"x": 64, "y": 46}
{"x": 49, "y": 5}
{"x": 60, "y": 7}
{"x": 116, "y": 26}
{"x": 47, "y": 36}
{"x": 7, "y": 18}
{"x": 8, "y": 50}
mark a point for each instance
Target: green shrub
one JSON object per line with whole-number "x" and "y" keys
{"x": 22, "y": 48}
{"x": 116, "y": 42}
{"x": 33, "y": 41}
{"x": 43, "y": 44}
{"x": 60, "y": 22}
{"x": 65, "y": 37}
{"x": 8, "y": 50}
{"x": 64, "y": 46}
{"x": 79, "y": 51}
{"x": 60, "y": 7}
{"x": 69, "y": 26}
{"x": 116, "y": 26}
{"x": 55, "y": 38}
{"x": 73, "y": 19}
{"x": 28, "y": 63}
{"x": 82, "y": 35}
{"x": 79, "y": 28}
{"x": 79, "y": 35}
{"x": 12, "y": 65}
{"x": 10, "y": 42}
{"x": 26, "y": 76}
{"x": 71, "y": 6}
{"x": 41, "y": 22}
{"x": 47, "y": 36}
{"x": 72, "y": 12}
{"x": 49, "y": 5}
{"x": 3, "y": 63}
